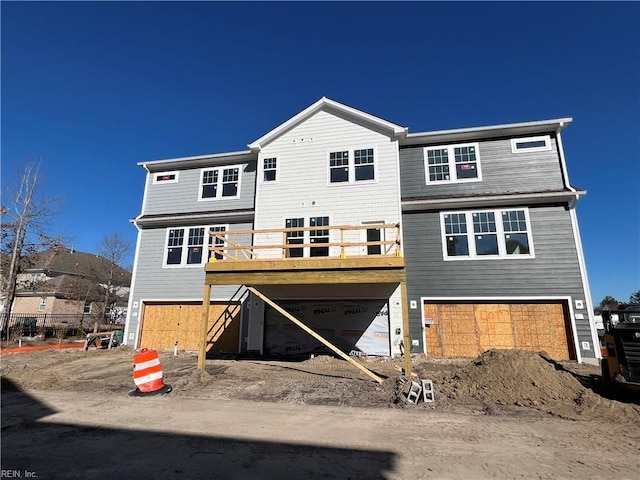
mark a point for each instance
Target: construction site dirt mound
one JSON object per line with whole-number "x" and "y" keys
{"x": 500, "y": 379}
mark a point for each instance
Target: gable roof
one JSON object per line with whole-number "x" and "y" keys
{"x": 327, "y": 104}
{"x": 61, "y": 260}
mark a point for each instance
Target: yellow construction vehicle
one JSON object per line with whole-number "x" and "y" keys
{"x": 621, "y": 348}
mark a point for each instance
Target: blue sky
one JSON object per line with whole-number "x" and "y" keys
{"x": 94, "y": 88}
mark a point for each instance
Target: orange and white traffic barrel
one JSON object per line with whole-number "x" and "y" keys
{"x": 147, "y": 373}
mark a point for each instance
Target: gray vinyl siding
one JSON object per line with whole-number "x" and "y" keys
{"x": 502, "y": 172}
{"x": 554, "y": 271}
{"x": 182, "y": 196}
{"x": 153, "y": 282}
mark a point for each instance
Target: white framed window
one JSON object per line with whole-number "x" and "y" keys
{"x": 339, "y": 166}
{"x": 294, "y": 237}
{"x": 217, "y": 241}
{"x": 220, "y": 182}
{"x": 43, "y": 304}
{"x": 531, "y": 144}
{"x": 364, "y": 166}
{"x": 185, "y": 245}
{"x": 87, "y": 307}
{"x": 165, "y": 177}
{"x": 483, "y": 234}
{"x": 343, "y": 170}
{"x": 316, "y": 237}
{"x": 269, "y": 169}
{"x": 319, "y": 236}
{"x": 452, "y": 163}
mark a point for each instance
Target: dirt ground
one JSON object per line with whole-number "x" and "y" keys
{"x": 499, "y": 382}
{"x": 518, "y": 387}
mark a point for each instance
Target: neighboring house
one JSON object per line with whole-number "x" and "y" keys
{"x": 487, "y": 229}
{"x": 65, "y": 282}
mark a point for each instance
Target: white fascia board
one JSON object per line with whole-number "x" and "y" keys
{"x": 187, "y": 219}
{"x": 317, "y": 106}
{"x": 157, "y": 165}
{"x": 509, "y": 129}
{"x": 485, "y": 201}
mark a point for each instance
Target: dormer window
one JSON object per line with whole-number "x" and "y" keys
{"x": 452, "y": 163}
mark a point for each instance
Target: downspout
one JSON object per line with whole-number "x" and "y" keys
{"x": 578, "y": 244}
{"x": 134, "y": 221}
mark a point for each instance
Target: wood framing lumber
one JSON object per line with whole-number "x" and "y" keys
{"x": 204, "y": 327}
{"x": 314, "y": 334}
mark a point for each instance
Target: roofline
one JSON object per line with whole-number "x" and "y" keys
{"x": 507, "y": 129}
{"x": 409, "y": 205}
{"x": 182, "y": 219}
{"x": 325, "y": 102}
{"x": 197, "y": 160}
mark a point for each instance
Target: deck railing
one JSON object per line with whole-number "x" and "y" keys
{"x": 322, "y": 241}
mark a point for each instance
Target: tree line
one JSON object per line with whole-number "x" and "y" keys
{"x": 612, "y": 303}
{"x": 27, "y": 229}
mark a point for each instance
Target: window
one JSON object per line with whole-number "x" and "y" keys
{"x": 363, "y": 160}
{"x": 195, "y": 243}
{"x": 174, "y": 246}
{"x": 339, "y": 167}
{"x": 190, "y": 254}
{"x": 341, "y": 170}
{"x": 87, "y": 307}
{"x": 223, "y": 182}
{"x": 454, "y": 163}
{"x": 486, "y": 234}
{"x": 165, "y": 177}
{"x": 43, "y": 304}
{"x": 269, "y": 169}
{"x": 531, "y": 144}
{"x": 374, "y": 235}
{"x": 294, "y": 238}
{"x": 319, "y": 236}
{"x": 216, "y": 241}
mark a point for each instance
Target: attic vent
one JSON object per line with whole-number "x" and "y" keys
{"x": 302, "y": 140}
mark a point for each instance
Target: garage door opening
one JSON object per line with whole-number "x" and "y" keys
{"x": 355, "y": 327}
{"x": 165, "y": 324}
{"x": 455, "y": 329}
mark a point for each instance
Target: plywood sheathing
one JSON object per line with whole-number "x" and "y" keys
{"x": 467, "y": 330}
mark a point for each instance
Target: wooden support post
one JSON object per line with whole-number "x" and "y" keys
{"x": 315, "y": 335}
{"x": 204, "y": 327}
{"x": 405, "y": 328}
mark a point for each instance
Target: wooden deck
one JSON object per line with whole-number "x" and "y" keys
{"x": 268, "y": 263}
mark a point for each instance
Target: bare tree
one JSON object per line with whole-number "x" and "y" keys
{"x": 114, "y": 253}
{"x": 25, "y": 226}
